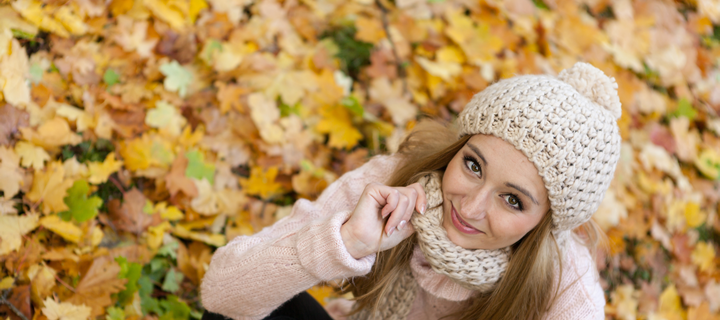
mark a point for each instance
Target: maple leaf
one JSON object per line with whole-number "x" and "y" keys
{"x": 31, "y": 155}
{"x": 99, "y": 172}
{"x": 10, "y": 173}
{"x": 206, "y": 202}
{"x": 129, "y": 215}
{"x": 265, "y": 113}
{"x": 50, "y": 186}
{"x": 197, "y": 167}
{"x": 98, "y": 283}
{"x": 369, "y": 30}
{"x": 176, "y": 180}
{"x": 704, "y": 256}
{"x": 391, "y": 96}
{"x": 177, "y": 78}
{"x": 81, "y": 207}
{"x": 336, "y": 122}
{"x": 51, "y": 134}
{"x": 65, "y": 311}
{"x": 165, "y": 116}
{"x": 132, "y": 36}
{"x": 262, "y": 182}
{"x": 12, "y": 228}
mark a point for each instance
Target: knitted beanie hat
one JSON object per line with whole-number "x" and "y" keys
{"x": 567, "y": 128}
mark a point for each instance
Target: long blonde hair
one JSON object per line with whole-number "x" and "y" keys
{"x": 528, "y": 288}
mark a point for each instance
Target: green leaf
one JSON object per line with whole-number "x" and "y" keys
{"x": 174, "y": 309}
{"x": 115, "y": 313}
{"x": 36, "y": 72}
{"x": 684, "y": 109}
{"x": 147, "y": 302}
{"x": 19, "y": 34}
{"x": 211, "y": 46}
{"x": 81, "y": 208}
{"x": 132, "y": 272}
{"x": 111, "y": 77}
{"x": 172, "y": 281}
{"x": 286, "y": 110}
{"x": 177, "y": 78}
{"x": 169, "y": 250}
{"x": 197, "y": 168}
{"x": 353, "y": 105}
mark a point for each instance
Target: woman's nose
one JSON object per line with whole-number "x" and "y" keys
{"x": 476, "y": 204}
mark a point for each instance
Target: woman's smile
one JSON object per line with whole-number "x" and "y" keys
{"x": 461, "y": 225}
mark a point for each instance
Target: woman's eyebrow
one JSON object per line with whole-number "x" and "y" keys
{"x": 521, "y": 189}
{"x": 477, "y": 151}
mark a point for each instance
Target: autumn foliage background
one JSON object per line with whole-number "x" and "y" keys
{"x": 137, "y": 136}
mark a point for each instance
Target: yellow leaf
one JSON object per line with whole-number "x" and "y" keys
{"x": 670, "y": 307}
{"x": 703, "y": 256}
{"x": 81, "y": 118}
{"x": 623, "y": 302}
{"x": 166, "y": 118}
{"x": 444, "y": 70}
{"x": 100, "y": 171}
{"x": 65, "y": 311}
{"x": 171, "y": 213}
{"x": 33, "y": 11}
{"x": 11, "y": 177}
{"x": 13, "y": 75}
{"x": 217, "y": 240}
{"x": 262, "y": 183}
{"x": 265, "y": 113}
{"x": 51, "y": 134}
{"x": 31, "y": 155}
{"x": 206, "y": 202}
{"x": 156, "y": 233}
{"x": 7, "y": 283}
{"x": 42, "y": 280}
{"x": 50, "y": 187}
{"x": 67, "y": 230}
{"x": 196, "y": 6}
{"x": 163, "y": 11}
{"x": 369, "y": 30}
{"x": 146, "y": 151}
{"x": 322, "y": 293}
{"x": 12, "y": 228}
{"x": 336, "y": 122}
{"x": 70, "y": 20}
{"x": 131, "y": 35}
{"x": 694, "y": 217}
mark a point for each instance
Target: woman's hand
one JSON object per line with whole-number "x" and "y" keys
{"x": 367, "y": 232}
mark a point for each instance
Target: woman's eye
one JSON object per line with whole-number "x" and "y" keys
{"x": 473, "y": 166}
{"x": 513, "y": 201}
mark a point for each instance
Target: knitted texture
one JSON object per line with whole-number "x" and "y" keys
{"x": 566, "y": 126}
{"x": 474, "y": 269}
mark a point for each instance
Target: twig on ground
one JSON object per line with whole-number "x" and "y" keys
{"x": 398, "y": 63}
{"x": 5, "y": 301}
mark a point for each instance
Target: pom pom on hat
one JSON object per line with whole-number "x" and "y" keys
{"x": 594, "y": 85}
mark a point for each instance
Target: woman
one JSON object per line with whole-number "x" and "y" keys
{"x": 474, "y": 224}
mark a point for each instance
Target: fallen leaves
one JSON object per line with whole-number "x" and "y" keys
{"x": 157, "y": 130}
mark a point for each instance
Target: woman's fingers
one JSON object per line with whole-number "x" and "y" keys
{"x": 402, "y": 213}
{"x": 421, "y": 203}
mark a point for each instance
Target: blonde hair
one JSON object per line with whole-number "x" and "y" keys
{"x": 528, "y": 288}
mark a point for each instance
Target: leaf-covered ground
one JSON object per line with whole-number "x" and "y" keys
{"x": 136, "y": 136}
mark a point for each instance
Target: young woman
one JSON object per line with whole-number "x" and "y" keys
{"x": 473, "y": 223}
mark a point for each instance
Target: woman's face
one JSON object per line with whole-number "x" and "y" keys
{"x": 492, "y": 195}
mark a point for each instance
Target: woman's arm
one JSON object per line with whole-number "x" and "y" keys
{"x": 253, "y": 275}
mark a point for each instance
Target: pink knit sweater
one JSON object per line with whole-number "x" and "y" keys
{"x": 253, "y": 275}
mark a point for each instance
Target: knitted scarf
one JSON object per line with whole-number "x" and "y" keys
{"x": 474, "y": 269}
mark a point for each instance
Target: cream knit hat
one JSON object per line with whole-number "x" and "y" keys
{"x": 565, "y": 125}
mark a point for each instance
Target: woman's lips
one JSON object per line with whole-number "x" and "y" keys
{"x": 461, "y": 225}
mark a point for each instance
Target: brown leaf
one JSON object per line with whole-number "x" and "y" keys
{"x": 99, "y": 282}
{"x": 176, "y": 180}
{"x": 10, "y": 119}
{"x": 20, "y": 298}
{"x": 193, "y": 260}
{"x": 181, "y": 47}
{"x": 129, "y": 215}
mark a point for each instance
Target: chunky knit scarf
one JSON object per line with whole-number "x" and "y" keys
{"x": 473, "y": 269}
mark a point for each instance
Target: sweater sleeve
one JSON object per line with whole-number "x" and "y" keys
{"x": 581, "y": 296}
{"x": 253, "y": 275}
